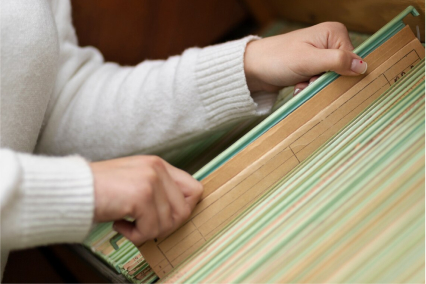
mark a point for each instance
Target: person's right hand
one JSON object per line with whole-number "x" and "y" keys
{"x": 158, "y": 196}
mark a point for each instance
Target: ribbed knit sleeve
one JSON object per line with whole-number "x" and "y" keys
{"x": 44, "y": 200}
{"x": 103, "y": 110}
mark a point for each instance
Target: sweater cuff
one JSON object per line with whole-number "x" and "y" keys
{"x": 222, "y": 85}
{"x": 58, "y": 199}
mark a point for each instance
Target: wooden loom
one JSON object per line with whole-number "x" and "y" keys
{"x": 305, "y": 129}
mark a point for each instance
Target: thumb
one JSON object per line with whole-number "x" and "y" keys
{"x": 343, "y": 62}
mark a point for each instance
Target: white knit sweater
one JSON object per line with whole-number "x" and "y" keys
{"x": 59, "y": 99}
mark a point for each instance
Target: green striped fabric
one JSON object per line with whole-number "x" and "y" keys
{"x": 352, "y": 212}
{"x": 191, "y": 159}
{"x": 123, "y": 257}
{"x": 117, "y": 251}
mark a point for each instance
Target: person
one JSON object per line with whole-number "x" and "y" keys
{"x": 76, "y": 131}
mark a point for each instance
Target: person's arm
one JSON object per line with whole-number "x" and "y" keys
{"x": 44, "y": 199}
{"x": 294, "y": 58}
{"x": 103, "y": 110}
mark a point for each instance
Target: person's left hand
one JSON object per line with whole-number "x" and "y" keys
{"x": 284, "y": 60}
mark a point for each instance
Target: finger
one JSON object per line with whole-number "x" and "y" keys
{"x": 130, "y": 232}
{"x": 313, "y": 79}
{"x": 337, "y": 60}
{"x": 190, "y": 187}
{"x": 299, "y": 87}
{"x": 338, "y": 37}
{"x": 175, "y": 195}
{"x": 144, "y": 227}
{"x": 341, "y": 40}
{"x": 175, "y": 198}
{"x": 147, "y": 216}
{"x": 164, "y": 203}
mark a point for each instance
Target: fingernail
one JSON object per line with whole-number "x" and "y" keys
{"x": 359, "y": 66}
{"x": 296, "y": 92}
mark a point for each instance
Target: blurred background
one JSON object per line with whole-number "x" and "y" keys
{"x": 131, "y": 31}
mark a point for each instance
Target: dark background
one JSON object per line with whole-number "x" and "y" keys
{"x": 130, "y": 31}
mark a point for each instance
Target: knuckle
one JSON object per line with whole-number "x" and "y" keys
{"x": 142, "y": 192}
{"x": 145, "y": 161}
{"x": 128, "y": 208}
{"x": 341, "y": 27}
{"x": 150, "y": 176}
{"x": 136, "y": 197}
{"x": 338, "y": 26}
{"x": 148, "y": 193}
{"x": 335, "y": 26}
{"x": 325, "y": 25}
{"x": 156, "y": 162}
{"x": 138, "y": 160}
